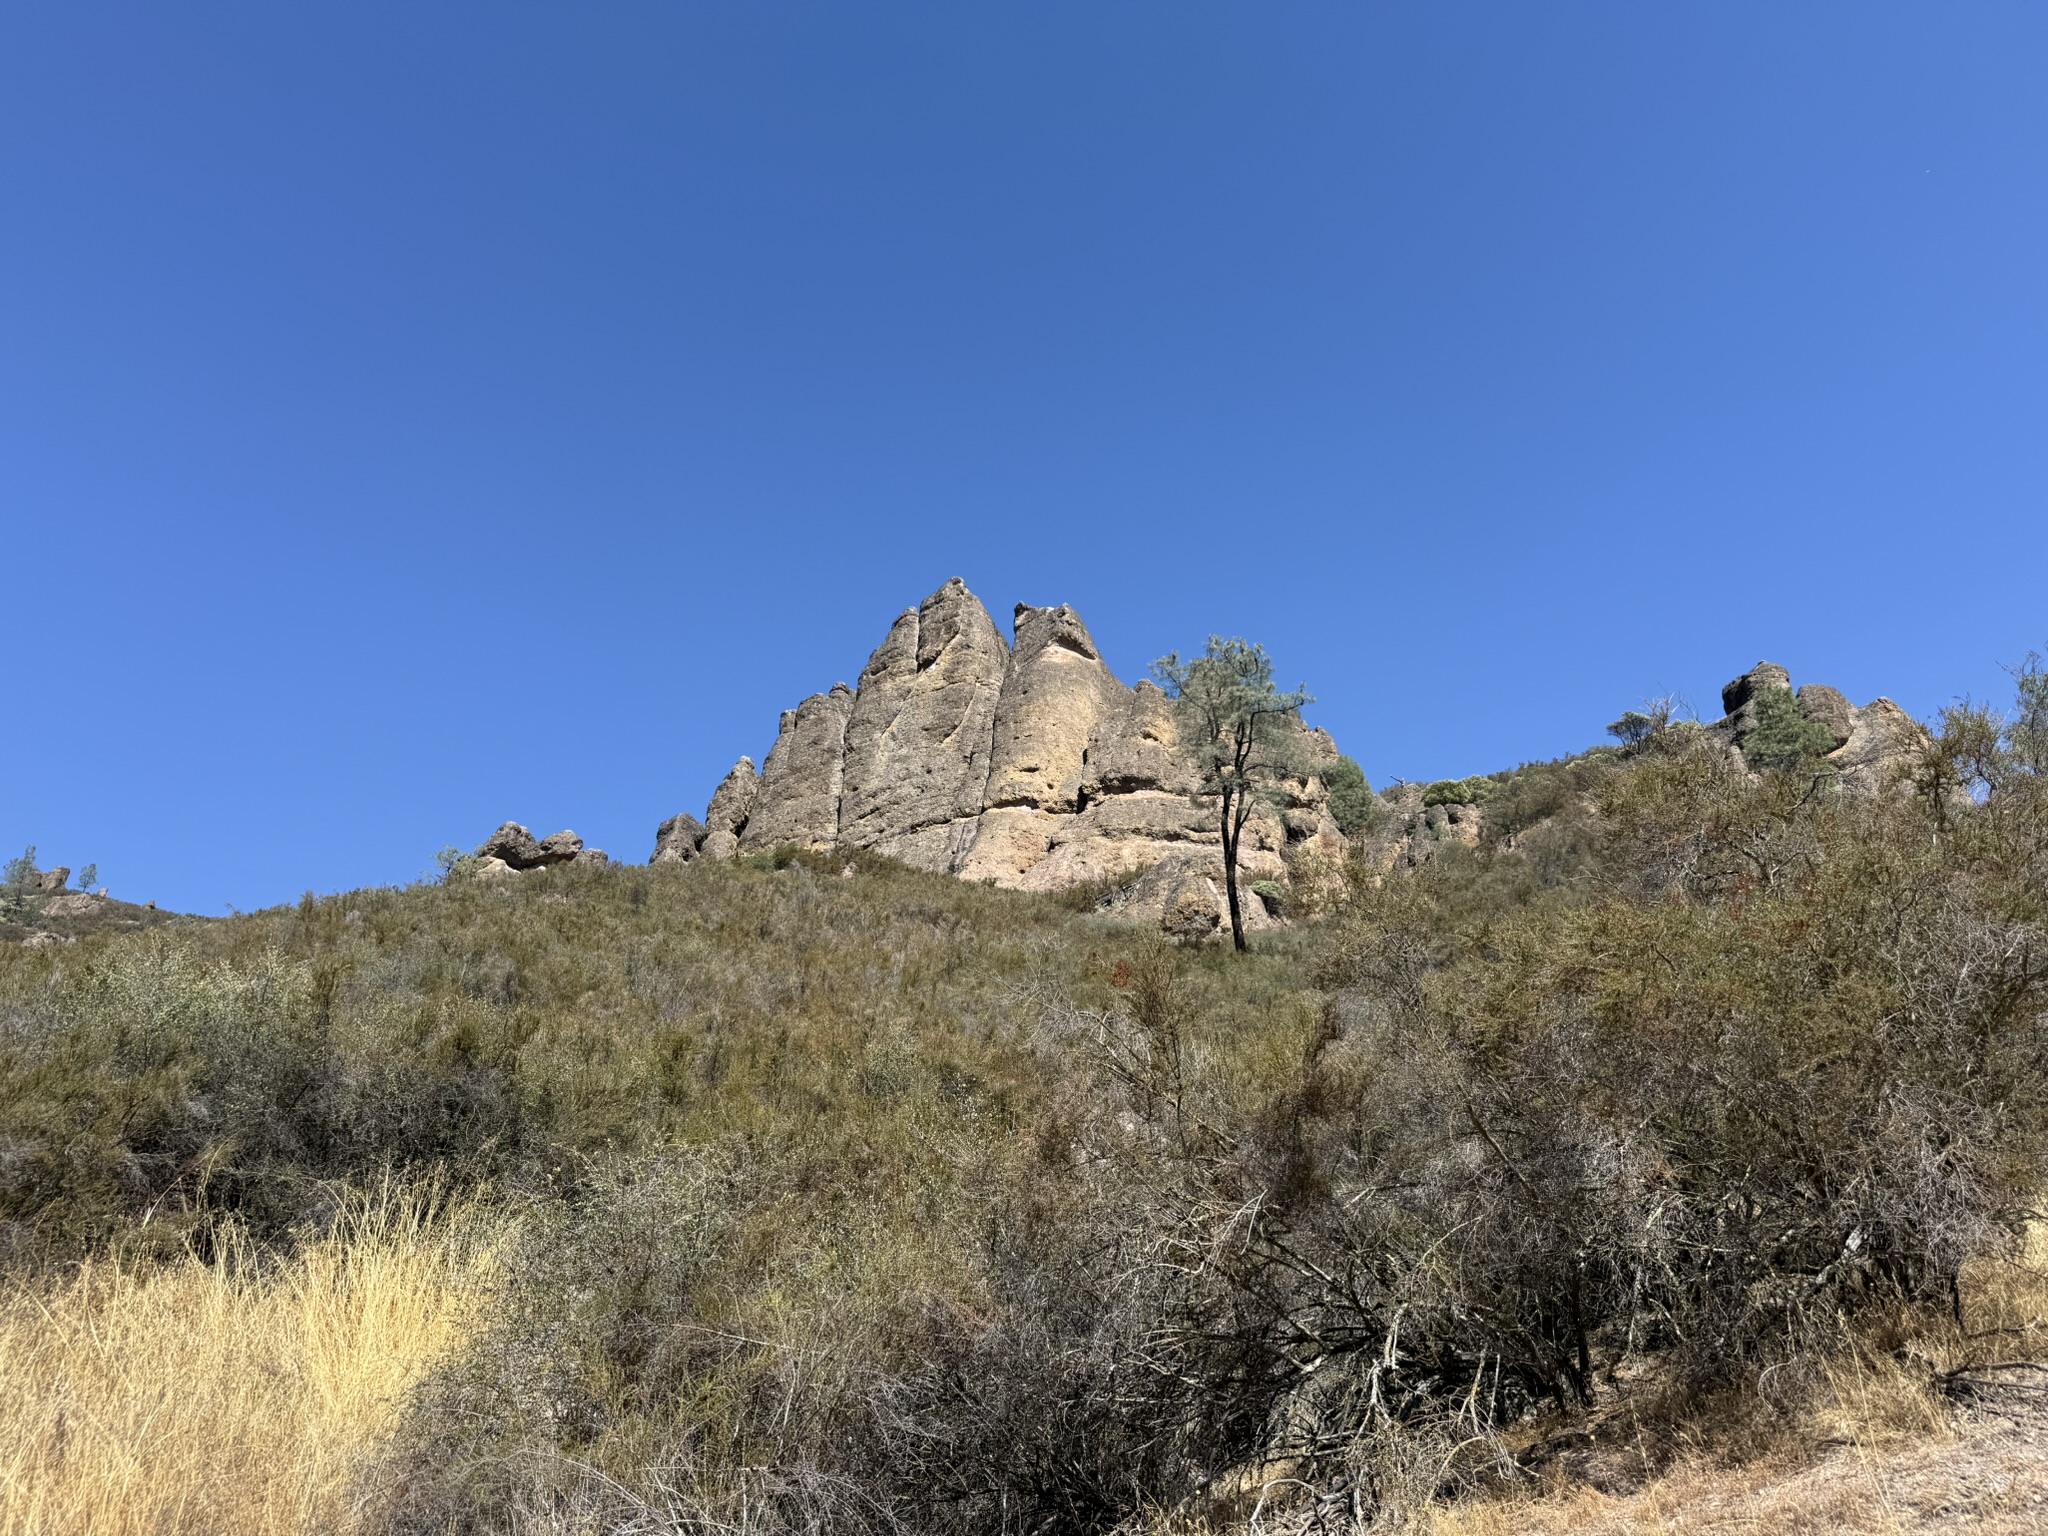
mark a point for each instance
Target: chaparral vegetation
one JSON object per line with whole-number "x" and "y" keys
{"x": 1690, "y": 1111}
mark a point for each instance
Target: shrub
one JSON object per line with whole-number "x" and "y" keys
{"x": 1783, "y": 739}
{"x": 1352, "y": 804}
{"x": 1470, "y": 791}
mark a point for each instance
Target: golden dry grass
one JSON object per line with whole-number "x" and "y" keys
{"x": 228, "y": 1396}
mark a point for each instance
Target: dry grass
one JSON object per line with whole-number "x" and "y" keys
{"x": 228, "y": 1396}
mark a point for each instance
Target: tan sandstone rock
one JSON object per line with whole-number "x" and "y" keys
{"x": 1055, "y": 690}
{"x": 920, "y": 735}
{"x": 804, "y": 777}
{"x": 1883, "y": 742}
{"x": 732, "y": 804}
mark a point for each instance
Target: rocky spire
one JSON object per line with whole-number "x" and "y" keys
{"x": 804, "y": 777}
{"x": 919, "y": 736}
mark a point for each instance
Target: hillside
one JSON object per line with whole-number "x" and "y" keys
{"x": 1668, "y": 1118}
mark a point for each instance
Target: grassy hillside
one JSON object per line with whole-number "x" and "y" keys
{"x": 817, "y": 1194}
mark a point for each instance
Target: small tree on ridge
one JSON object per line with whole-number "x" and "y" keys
{"x": 1235, "y": 724}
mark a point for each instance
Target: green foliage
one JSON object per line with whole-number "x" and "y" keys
{"x": 1234, "y": 718}
{"x": 19, "y": 901}
{"x": 1272, "y": 893}
{"x": 21, "y": 872}
{"x": 1637, "y": 726}
{"x": 1473, "y": 791}
{"x": 88, "y": 877}
{"x": 1352, "y": 805}
{"x": 1243, "y": 734}
{"x": 1783, "y": 739}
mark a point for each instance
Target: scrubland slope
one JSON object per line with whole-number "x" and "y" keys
{"x": 1689, "y": 1122}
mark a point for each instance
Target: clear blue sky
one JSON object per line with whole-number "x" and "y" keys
{"x": 415, "y": 416}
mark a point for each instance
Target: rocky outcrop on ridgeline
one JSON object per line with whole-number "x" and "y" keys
{"x": 1872, "y": 746}
{"x": 513, "y": 850}
{"x": 1029, "y": 765}
{"x": 919, "y": 739}
{"x": 1868, "y": 750}
{"x": 1023, "y": 763}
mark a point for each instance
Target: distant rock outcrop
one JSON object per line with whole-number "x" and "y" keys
{"x": 1029, "y": 765}
{"x": 1025, "y": 764}
{"x": 1872, "y": 745}
{"x": 513, "y": 850}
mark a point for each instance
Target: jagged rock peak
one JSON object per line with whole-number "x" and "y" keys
{"x": 1027, "y": 764}
{"x": 919, "y": 735}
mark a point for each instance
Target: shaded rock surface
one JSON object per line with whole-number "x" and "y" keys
{"x": 732, "y": 806}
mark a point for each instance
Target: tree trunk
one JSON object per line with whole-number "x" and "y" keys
{"x": 1231, "y": 835}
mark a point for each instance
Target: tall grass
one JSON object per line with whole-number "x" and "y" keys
{"x": 232, "y": 1393}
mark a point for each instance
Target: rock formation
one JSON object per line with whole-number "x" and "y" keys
{"x": 1029, "y": 765}
{"x": 1025, "y": 764}
{"x": 513, "y": 850}
{"x": 802, "y": 785}
{"x": 920, "y": 735}
{"x": 1872, "y": 745}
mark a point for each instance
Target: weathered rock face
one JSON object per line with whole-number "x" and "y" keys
{"x": 1827, "y": 707}
{"x": 732, "y": 806}
{"x": 1883, "y": 742}
{"x": 1736, "y": 696}
{"x": 1028, "y": 766}
{"x": 920, "y": 736}
{"x": 1874, "y": 745}
{"x": 51, "y": 881}
{"x": 1055, "y": 692}
{"x": 513, "y": 850}
{"x": 805, "y": 777}
{"x": 676, "y": 840}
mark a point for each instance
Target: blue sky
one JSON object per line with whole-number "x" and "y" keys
{"x": 417, "y": 416}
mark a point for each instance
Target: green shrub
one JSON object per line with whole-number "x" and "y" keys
{"x": 1784, "y": 739}
{"x": 1352, "y": 804}
{"x": 1472, "y": 791}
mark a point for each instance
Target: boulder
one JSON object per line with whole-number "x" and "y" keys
{"x": 591, "y": 856}
{"x": 51, "y": 881}
{"x": 1765, "y": 674}
{"x": 72, "y": 904}
{"x": 490, "y": 867}
{"x": 1827, "y": 708}
{"x": 1883, "y": 743}
{"x": 732, "y": 804}
{"x": 514, "y": 846}
{"x": 561, "y": 848}
{"x": 676, "y": 840}
{"x": 919, "y": 736}
{"x": 1738, "y": 698}
{"x": 804, "y": 777}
